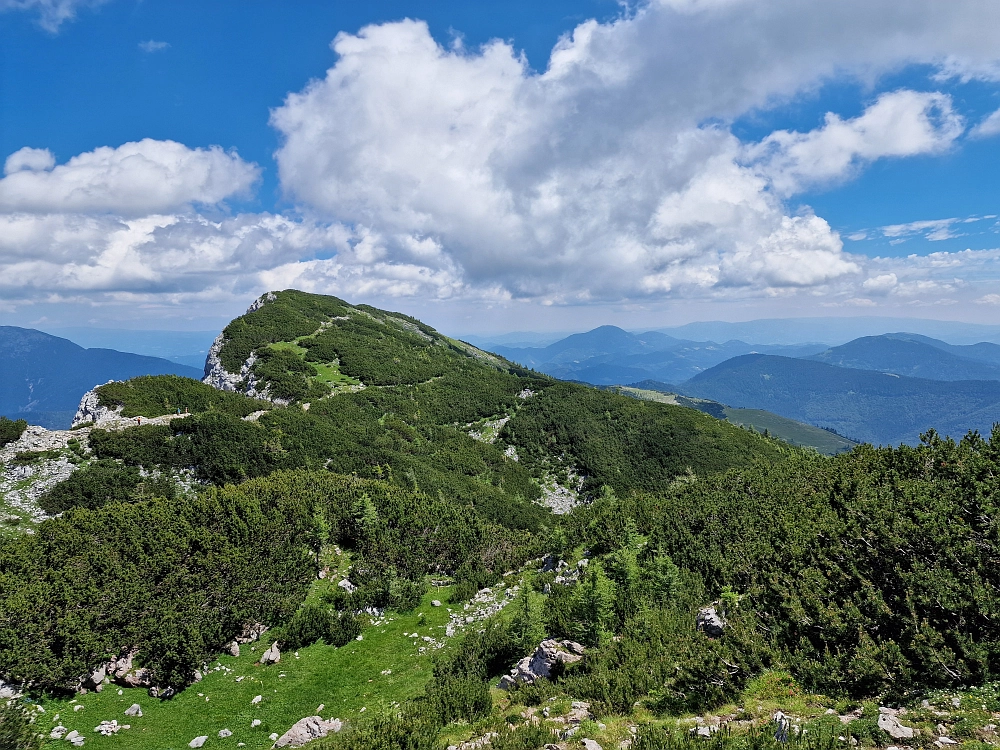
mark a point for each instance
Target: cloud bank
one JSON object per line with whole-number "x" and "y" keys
{"x": 611, "y": 176}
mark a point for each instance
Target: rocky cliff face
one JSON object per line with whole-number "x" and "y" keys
{"x": 244, "y": 381}
{"x": 90, "y": 409}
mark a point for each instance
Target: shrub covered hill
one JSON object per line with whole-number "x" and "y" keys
{"x": 351, "y": 464}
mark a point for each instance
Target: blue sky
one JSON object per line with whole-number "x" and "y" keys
{"x": 499, "y": 166}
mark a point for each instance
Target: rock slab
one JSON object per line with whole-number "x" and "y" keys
{"x": 308, "y": 729}
{"x": 549, "y": 653}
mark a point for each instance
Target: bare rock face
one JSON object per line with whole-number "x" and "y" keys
{"x": 217, "y": 376}
{"x": 711, "y": 622}
{"x": 90, "y": 409}
{"x": 549, "y": 653}
{"x": 308, "y": 729}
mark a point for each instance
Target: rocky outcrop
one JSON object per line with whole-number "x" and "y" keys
{"x": 251, "y": 633}
{"x": 541, "y": 663}
{"x": 7, "y": 691}
{"x": 710, "y": 621}
{"x": 308, "y": 729}
{"x": 90, "y": 409}
{"x": 244, "y": 381}
{"x": 888, "y": 721}
{"x": 217, "y": 376}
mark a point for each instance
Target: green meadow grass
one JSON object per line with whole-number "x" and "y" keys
{"x": 348, "y": 680}
{"x": 328, "y": 373}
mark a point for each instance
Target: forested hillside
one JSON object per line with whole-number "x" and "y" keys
{"x": 43, "y": 377}
{"x": 381, "y": 509}
{"x": 881, "y": 408}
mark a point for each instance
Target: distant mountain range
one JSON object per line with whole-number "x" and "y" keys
{"x": 834, "y": 331}
{"x": 877, "y": 407}
{"x": 883, "y": 389}
{"x": 916, "y": 356}
{"x": 611, "y": 356}
{"x": 43, "y": 377}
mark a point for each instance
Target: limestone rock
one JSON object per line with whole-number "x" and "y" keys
{"x": 90, "y": 409}
{"x": 75, "y": 738}
{"x": 198, "y": 741}
{"x": 888, "y": 721}
{"x": 223, "y": 733}
{"x": 590, "y": 745}
{"x": 347, "y": 586}
{"x": 7, "y": 692}
{"x": 308, "y": 729}
{"x": 217, "y": 376}
{"x": 137, "y": 678}
{"x": 234, "y": 649}
{"x": 549, "y": 653}
{"x": 251, "y": 633}
{"x": 134, "y": 710}
{"x": 710, "y": 621}
{"x": 272, "y": 655}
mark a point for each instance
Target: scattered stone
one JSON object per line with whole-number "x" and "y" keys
{"x": 108, "y": 728}
{"x": 134, "y": 710}
{"x": 77, "y": 708}
{"x": 589, "y": 744}
{"x": 435, "y": 603}
{"x": 549, "y": 653}
{"x": 7, "y": 692}
{"x": 255, "y": 723}
{"x": 256, "y": 699}
{"x": 223, "y": 733}
{"x": 58, "y": 732}
{"x": 198, "y": 741}
{"x": 273, "y": 736}
{"x": 579, "y": 711}
{"x": 137, "y": 678}
{"x": 308, "y": 729}
{"x": 234, "y": 649}
{"x": 889, "y": 723}
{"x": 272, "y": 655}
{"x": 75, "y": 738}
{"x": 96, "y": 679}
{"x": 347, "y": 586}
{"x": 710, "y": 622}
{"x": 945, "y": 741}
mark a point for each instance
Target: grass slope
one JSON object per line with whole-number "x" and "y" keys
{"x": 792, "y": 432}
{"x": 348, "y": 680}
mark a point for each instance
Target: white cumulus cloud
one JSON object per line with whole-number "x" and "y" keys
{"x": 147, "y": 176}
{"x": 613, "y": 173}
{"x": 900, "y": 123}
